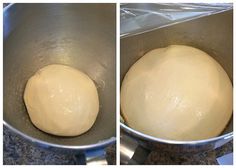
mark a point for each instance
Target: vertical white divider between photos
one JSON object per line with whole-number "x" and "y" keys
{"x": 118, "y": 83}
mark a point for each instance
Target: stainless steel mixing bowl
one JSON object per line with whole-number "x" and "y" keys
{"x": 78, "y": 35}
{"x": 212, "y": 34}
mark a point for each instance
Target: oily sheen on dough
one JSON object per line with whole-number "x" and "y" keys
{"x": 61, "y": 100}
{"x": 177, "y": 93}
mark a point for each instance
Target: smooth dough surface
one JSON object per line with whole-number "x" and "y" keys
{"x": 61, "y": 100}
{"x": 177, "y": 93}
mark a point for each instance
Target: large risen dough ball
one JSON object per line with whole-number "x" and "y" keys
{"x": 61, "y": 100}
{"x": 177, "y": 93}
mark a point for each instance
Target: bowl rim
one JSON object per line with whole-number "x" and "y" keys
{"x": 100, "y": 144}
{"x": 173, "y": 142}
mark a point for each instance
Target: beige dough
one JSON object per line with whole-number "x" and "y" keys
{"x": 177, "y": 93}
{"x": 61, "y": 100}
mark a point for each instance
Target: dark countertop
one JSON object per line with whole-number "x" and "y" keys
{"x": 205, "y": 158}
{"x": 17, "y": 151}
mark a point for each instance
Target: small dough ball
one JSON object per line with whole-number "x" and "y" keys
{"x": 61, "y": 100}
{"x": 177, "y": 93}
